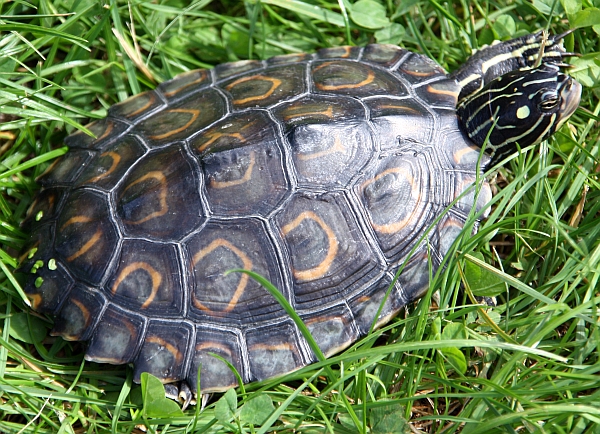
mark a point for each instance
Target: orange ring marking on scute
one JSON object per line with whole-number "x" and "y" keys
{"x": 154, "y": 275}
{"x": 76, "y": 219}
{"x": 87, "y": 246}
{"x": 275, "y": 347}
{"x": 246, "y": 264}
{"x": 170, "y": 347}
{"x": 337, "y": 147}
{"x": 395, "y": 227}
{"x": 458, "y": 155}
{"x": 368, "y": 80}
{"x": 213, "y": 137}
{"x": 444, "y": 92}
{"x": 399, "y": 107}
{"x": 144, "y": 107}
{"x": 328, "y": 113}
{"x": 321, "y": 269}
{"x": 116, "y": 159}
{"x": 158, "y": 175}
{"x": 213, "y": 345}
{"x": 195, "y": 113}
{"x": 275, "y": 83}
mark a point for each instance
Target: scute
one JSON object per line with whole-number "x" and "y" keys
{"x": 136, "y": 107}
{"x": 77, "y": 318}
{"x": 164, "y": 351}
{"x": 333, "y": 329}
{"x": 267, "y": 88}
{"x": 185, "y": 84}
{"x": 105, "y": 131}
{"x": 235, "y": 297}
{"x": 329, "y": 156}
{"x": 179, "y": 121}
{"x": 242, "y": 162}
{"x": 106, "y": 169}
{"x": 394, "y": 192}
{"x": 86, "y": 236}
{"x": 147, "y": 278}
{"x": 65, "y": 169}
{"x": 354, "y": 79}
{"x": 329, "y": 255}
{"x": 215, "y": 374}
{"x": 319, "y": 172}
{"x": 274, "y": 349}
{"x": 160, "y": 198}
{"x": 117, "y": 337}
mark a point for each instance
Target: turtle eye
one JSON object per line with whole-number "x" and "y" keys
{"x": 549, "y": 101}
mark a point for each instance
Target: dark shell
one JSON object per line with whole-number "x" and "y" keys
{"x": 319, "y": 172}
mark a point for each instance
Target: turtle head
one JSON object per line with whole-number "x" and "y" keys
{"x": 521, "y": 107}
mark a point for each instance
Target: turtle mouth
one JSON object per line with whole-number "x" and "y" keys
{"x": 570, "y": 92}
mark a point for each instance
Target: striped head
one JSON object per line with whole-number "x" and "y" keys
{"x": 521, "y": 107}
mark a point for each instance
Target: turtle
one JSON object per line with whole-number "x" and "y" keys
{"x": 342, "y": 177}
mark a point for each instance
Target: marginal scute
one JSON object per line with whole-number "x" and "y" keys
{"x": 242, "y": 163}
{"x": 329, "y": 257}
{"x": 147, "y": 279}
{"x": 354, "y": 79}
{"x": 235, "y": 297}
{"x": 185, "y": 84}
{"x": 330, "y": 155}
{"x": 215, "y": 375}
{"x": 65, "y": 169}
{"x": 179, "y": 121}
{"x": 159, "y": 198}
{"x": 417, "y": 68}
{"x": 333, "y": 328}
{"x": 288, "y": 58}
{"x": 343, "y": 52}
{"x": 267, "y": 87}
{"x": 117, "y": 337}
{"x": 85, "y": 236}
{"x": 469, "y": 194}
{"x": 414, "y": 280}
{"x": 450, "y": 228}
{"x": 442, "y": 93}
{"x": 163, "y": 353}
{"x": 44, "y": 206}
{"x": 136, "y": 107}
{"x": 48, "y": 283}
{"x": 105, "y": 131}
{"x": 106, "y": 169}
{"x": 386, "y": 55}
{"x": 225, "y": 70}
{"x": 77, "y": 317}
{"x": 366, "y": 303}
{"x": 273, "y": 350}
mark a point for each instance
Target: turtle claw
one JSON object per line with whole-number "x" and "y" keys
{"x": 204, "y": 400}
{"x": 562, "y": 35}
{"x": 181, "y": 393}
{"x": 185, "y": 395}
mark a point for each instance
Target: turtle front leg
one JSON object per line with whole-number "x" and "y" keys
{"x": 493, "y": 61}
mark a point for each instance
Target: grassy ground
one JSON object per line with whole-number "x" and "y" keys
{"x": 528, "y": 365}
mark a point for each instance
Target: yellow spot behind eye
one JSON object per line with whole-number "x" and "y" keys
{"x": 523, "y": 112}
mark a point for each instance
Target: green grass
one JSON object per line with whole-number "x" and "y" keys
{"x": 530, "y": 364}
